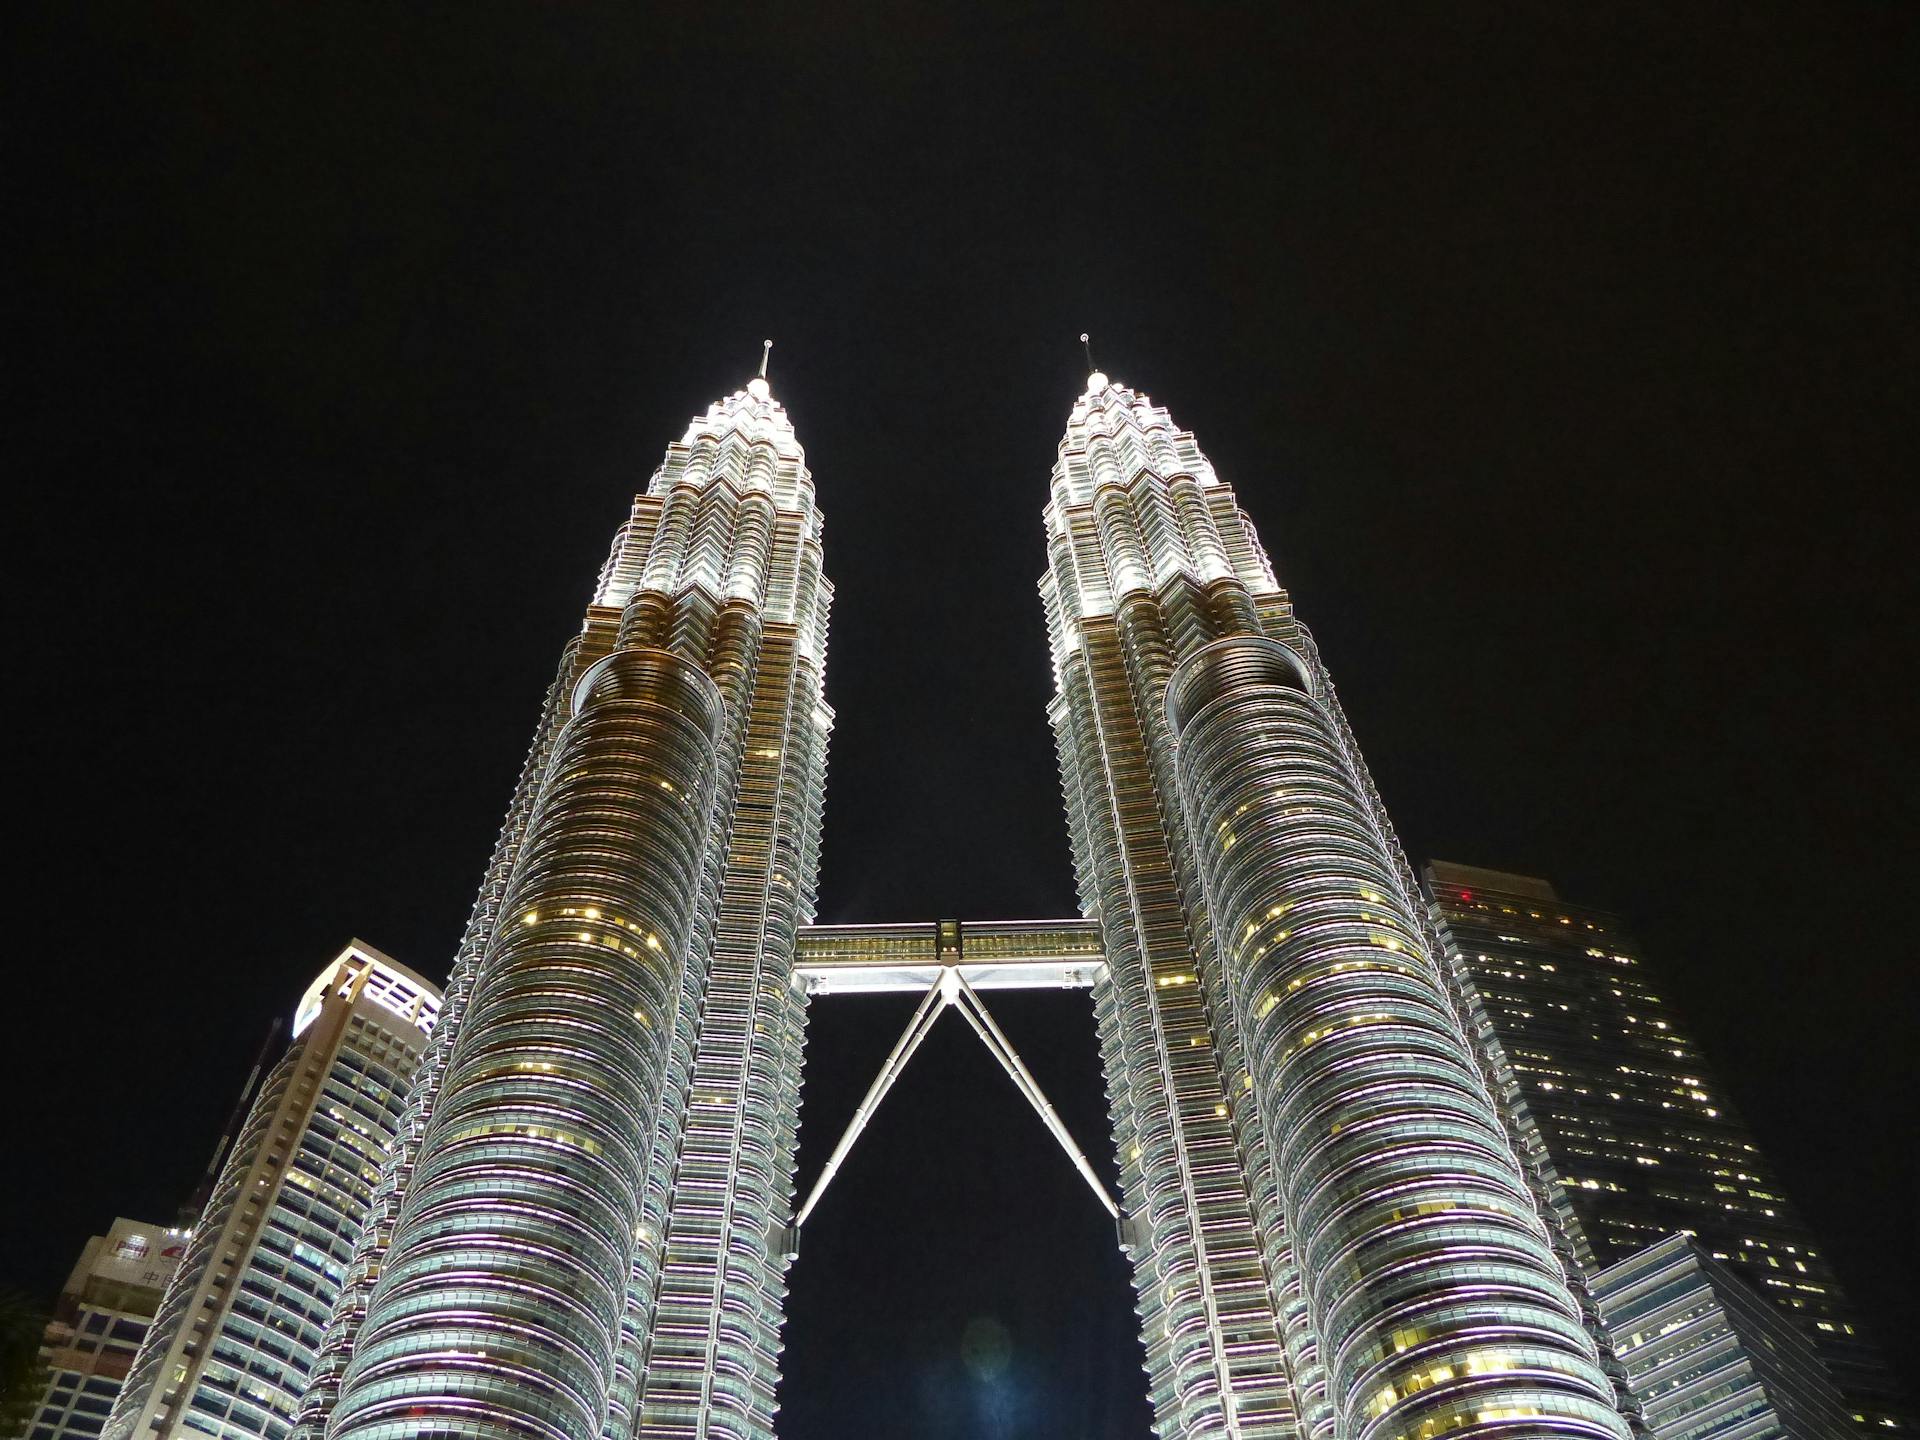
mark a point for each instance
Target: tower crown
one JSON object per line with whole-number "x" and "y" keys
{"x": 730, "y": 511}
{"x": 750, "y": 413}
{"x": 1134, "y": 504}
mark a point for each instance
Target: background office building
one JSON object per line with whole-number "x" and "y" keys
{"x": 99, "y": 1321}
{"x": 1707, "y": 1357}
{"x": 233, "y": 1342}
{"x": 1620, "y": 1115}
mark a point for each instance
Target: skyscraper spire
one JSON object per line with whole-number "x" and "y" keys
{"x": 758, "y": 387}
{"x": 1096, "y": 381}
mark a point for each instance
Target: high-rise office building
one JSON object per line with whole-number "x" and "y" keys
{"x": 98, "y": 1323}
{"x": 584, "y": 1227}
{"x": 1707, "y": 1357}
{"x": 232, "y": 1346}
{"x": 1618, "y": 1110}
{"x": 581, "y": 1232}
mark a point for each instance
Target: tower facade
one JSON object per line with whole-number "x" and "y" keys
{"x": 578, "y": 1234}
{"x": 1332, "y": 1233}
{"x": 1611, "y": 1095}
{"x": 233, "y": 1343}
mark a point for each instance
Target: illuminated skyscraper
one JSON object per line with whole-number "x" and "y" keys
{"x": 1332, "y": 1234}
{"x": 1621, "y": 1115}
{"x": 232, "y": 1346}
{"x": 581, "y": 1233}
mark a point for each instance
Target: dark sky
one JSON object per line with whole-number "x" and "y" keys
{"x": 1564, "y": 355}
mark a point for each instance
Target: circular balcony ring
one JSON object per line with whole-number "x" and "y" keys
{"x": 646, "y": 673}
{"x": 1225, "y": 665}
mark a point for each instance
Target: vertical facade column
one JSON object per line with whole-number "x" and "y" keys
{"x": 712, "y": 1361}
{"x": 1212, "y": 1345}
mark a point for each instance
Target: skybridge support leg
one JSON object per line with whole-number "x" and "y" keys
{"x": 909, "y": 1042}
{"x": 974, "y": 1011}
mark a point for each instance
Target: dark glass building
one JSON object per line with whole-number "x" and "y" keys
{"x": 1621, "y": 1117}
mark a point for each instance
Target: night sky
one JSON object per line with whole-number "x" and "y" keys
{"x": 1563, "y": 354}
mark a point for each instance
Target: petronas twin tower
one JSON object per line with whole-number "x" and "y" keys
{"x": 584, "y": 1228}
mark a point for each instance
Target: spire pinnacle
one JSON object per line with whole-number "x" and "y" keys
{"x": 766, "y": 351}
{"x": 1096, "y": 379}
{"x": 758, "y": 387}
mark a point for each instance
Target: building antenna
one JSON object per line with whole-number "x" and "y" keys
{"x": 1087, "y": 347}
{"x": 766, "y": 349}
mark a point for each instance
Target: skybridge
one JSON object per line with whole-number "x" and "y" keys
{"x": 948, "y": 963}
